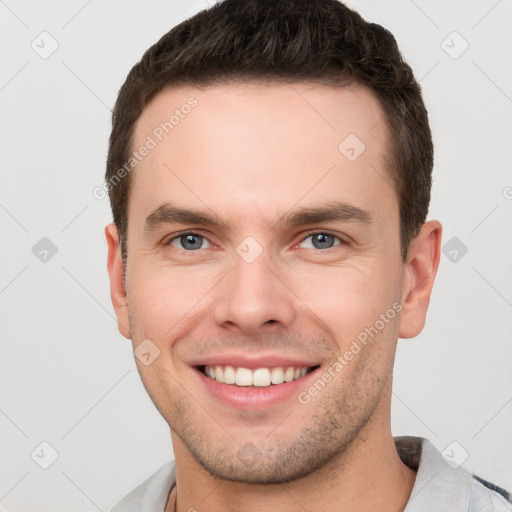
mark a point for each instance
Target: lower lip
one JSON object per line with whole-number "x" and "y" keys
{"x": 254, "y": 397}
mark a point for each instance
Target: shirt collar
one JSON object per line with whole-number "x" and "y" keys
{"x": 438, "y": 486}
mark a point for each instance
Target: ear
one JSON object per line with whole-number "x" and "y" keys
{"x": 419, "y": 273}
{"x": 117, "y": 288}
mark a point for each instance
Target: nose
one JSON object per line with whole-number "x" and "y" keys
{"x": 253, "y": 297}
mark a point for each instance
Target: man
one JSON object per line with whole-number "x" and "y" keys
{"x": 269, "y": 173}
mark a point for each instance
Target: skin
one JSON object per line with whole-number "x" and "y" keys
{"x": 250, "y": 153}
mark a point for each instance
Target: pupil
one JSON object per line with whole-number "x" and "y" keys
{"x": 192, "y": 242}
{"x": 323, "y": 241}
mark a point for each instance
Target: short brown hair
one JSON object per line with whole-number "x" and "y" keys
{"x": 287, "y": 41}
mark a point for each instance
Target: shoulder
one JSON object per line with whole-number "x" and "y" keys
{"x": 444, "y": 485}
{"x": 488, "y": 497}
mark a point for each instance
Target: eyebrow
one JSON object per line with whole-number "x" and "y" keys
{"x": 169, "y": 214}
{"x": 337, "y": 211}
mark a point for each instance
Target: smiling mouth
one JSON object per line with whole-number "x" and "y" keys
{"x": 259, "y": 377}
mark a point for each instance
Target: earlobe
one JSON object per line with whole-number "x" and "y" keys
{"x": 116, "y": 276}
{"x": 419, "y": 275}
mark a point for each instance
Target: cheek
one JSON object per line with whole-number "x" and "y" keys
{"x": 347, "y": 300}
{"x": 161, "y": 297}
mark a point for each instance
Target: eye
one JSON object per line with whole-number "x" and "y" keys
{"x": 189, "y": 242}
{"x": 321, "y": 241}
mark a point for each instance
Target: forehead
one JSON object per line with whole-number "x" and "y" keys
{"x": 256, "y": 147}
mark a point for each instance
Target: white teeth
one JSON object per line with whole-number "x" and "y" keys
{"x": 243, "y": 377}
{"x": 288, "y": 374}
{"x": 261, "y": 377}
{"x": 219, "y": 374}
{"x": 277, "y": 376}
{"x": 229, "y": 375}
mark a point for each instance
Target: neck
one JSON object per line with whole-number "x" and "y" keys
{"x": 368, "y": 475}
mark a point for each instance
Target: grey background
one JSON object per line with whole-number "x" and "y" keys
{"x": 68, "y": 378}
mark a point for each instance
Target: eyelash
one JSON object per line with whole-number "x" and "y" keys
{"x": 341, "y": 240}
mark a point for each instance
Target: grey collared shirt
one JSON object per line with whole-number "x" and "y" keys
{"x": 438, "y": 486}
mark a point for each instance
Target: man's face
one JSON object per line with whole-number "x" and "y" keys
{"x": 268, "y": 284}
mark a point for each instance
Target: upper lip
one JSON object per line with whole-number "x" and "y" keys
{"x": 252, "y": 362}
